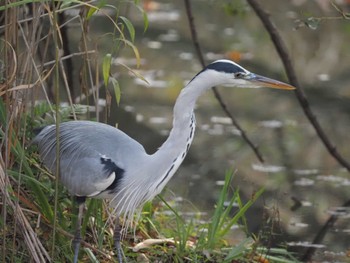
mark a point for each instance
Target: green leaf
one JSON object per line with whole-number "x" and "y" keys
{"x": 92, "y": 10}
{"x": 106, "y": 68}
{"x": 116, "y": 88}
{"x": 91, "y": 255}
{"x": 134, "y": 48}
{"x": 129, "y": 26}
{"x": 239, "y": 249}
{"x": 138, "y": 75}
{"x": 145, "y": 17}
{"x": 218, "y": 217}
{"x": 242, "y": 210}
{"x": 145, "y": 21}
{"x": 16, "y": 3}
{"x": 66, "y": 4}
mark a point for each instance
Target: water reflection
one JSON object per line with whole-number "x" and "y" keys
{"x": 304, "y": 182}
{"x": 305, "y": 244}
{"x": 268, "y": 168}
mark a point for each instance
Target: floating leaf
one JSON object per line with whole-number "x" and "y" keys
{"x": 106, "y": 67}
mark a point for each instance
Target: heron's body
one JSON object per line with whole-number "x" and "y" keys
{"x": 95, "y": 161}
{"x": 98, "y": 160}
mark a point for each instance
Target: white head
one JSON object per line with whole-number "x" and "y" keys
{"x": 226, "y": 72}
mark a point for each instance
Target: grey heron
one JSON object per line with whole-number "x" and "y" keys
{"x": 100, "y": 161}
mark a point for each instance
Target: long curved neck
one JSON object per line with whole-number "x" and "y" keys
{"x": 183, "y": 120}
{"x": 171, "y": 154}
{"x": 181, "y": 133}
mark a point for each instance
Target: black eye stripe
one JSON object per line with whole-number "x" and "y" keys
{"x": 239, "y": 75}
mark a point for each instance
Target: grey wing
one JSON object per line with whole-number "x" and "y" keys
{"x": 90, "y": 175}
{"x": 92, "y": 155}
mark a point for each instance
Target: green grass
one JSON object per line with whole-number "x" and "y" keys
{"x": 194, "y": 241}
{"x": 197, "y": 238}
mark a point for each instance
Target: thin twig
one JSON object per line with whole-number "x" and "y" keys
{"x": 36, "y": 70}
{"x": 299, "y": 92}
{"x": 215, "y": 91}
{"x": 68, "y": 57}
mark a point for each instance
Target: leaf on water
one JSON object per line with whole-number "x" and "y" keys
{"x": 106, "y": 67}
{"x": 129, "y": 26}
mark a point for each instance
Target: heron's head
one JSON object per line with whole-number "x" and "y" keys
{"x": 226, "y": 72}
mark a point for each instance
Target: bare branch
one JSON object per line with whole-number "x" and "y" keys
{"x": 299, "y": 92}
{"x": 215, "y": 91}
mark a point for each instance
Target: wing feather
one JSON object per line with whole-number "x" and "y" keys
{"x": 93, "y": 156}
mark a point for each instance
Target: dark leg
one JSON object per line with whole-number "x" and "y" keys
{"x": 77, "y": 237}
{"x": 117, "y": 238}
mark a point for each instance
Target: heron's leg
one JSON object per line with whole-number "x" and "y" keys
{"x": 77, "y": 236}
{"x": 117, "y": 238}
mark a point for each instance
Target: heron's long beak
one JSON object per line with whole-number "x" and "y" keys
{"x": 269, "y": 83}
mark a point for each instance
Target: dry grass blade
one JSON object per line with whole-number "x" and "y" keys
{"x": 19, "y": 87}
{"x": 35, "y": 248}
{"x": 14, "y": 65}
